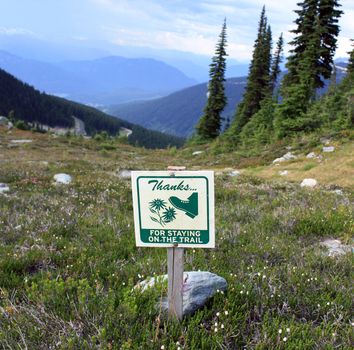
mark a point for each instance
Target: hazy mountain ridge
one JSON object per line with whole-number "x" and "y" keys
{"x": 102, "y": 81}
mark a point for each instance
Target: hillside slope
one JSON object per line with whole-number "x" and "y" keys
{"x": 177, "y": 113}
{"x": 30, "y": 105}
{"x": 69, "y": 264}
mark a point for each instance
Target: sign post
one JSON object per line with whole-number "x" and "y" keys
{"x": 174, "y": 210}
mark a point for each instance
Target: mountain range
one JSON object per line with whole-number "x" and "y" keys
{"x": 101, "y": 81}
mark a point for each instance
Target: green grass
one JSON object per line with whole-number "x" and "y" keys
{"x": 68, "y": 261}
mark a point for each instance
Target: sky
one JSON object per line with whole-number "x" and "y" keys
{"x": 184, "y": 25}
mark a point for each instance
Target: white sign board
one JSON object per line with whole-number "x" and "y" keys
{"x": 174, "y": 208}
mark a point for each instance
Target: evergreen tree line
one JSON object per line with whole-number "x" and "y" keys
{"x": 264, "y": 113}
{"x": 21, "y": 101}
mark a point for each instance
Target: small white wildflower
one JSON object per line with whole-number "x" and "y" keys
{"x": 226, "y": 312}
{"x": 162, "y": 346}
{"x": 280, "y": 331}
{"x": 215, "y": 324}
{"x": 241, "y": 292}
{"x": 222, "y": 326}
{"x": 264, "y": 276}
{"x": 285, "y": 339}
{"x": 288, "y": 330}
{"x": 215, "y": 329}
{"x": 218, "y": 314}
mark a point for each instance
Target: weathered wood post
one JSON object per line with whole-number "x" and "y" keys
{"x": 175, "y": 282}
{"x": 175, "y": 273}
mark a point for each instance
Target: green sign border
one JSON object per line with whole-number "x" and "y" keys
{"x": 203, "y": 232}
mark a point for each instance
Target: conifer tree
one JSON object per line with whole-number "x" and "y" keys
{"x": 305, "y": 20}
{"x": 277, "y": 59}
{"x": 315, "y": 17}
{"x": 258, "y": 78}
{"x": 328, "y": 15}
{"x": 210, "y": 123}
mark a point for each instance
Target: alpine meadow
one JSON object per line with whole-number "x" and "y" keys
{"x": 149, "y": 200}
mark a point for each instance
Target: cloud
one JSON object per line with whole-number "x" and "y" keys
{"x": 16, "y": 31}
{"x": 194, "y": 26}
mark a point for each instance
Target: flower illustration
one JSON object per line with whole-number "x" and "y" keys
{"x": 161, "y": 214}
{"x": 169, "y": 214}
{"x": 157, "y": 204}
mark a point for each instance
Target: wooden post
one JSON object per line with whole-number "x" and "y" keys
{"x": 175, "y": 282}
{"x": 175, "y": 274}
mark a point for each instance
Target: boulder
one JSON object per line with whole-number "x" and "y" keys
{"x": 198, "y": 288}
{"x": 308, "y": 183}
{"x": 285, "y": 157}
{"x": 311, "y": 155}
{"x": 64, "y": 179}
{"x": 283, "y": 172}
{"x": 4, "y": 188}
{"x": 328, "y": 149}
{"x": 335, "y": 247}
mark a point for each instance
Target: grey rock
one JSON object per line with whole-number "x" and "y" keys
{"x": 285, "y": 157}
{"x": 335, "y": 247}
{"x": 283, "y": 172}
{"x": 64, "y": 179}
{"x": 328, "y": 149}
{"x": 308, "y": 183}
{"x": 234, "y": 173}
{"x": 21, "y": 141}
{"x": 4, "y": 188}
{"x": 198, "y": 288}
{"x": 195, "y": 153}
{"x": 311, "y": 155}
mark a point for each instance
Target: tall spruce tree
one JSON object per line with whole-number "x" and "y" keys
{"x": 328, "y": 15}
{"x": 210, "y": 123}
{"x": 315, "y": 17}
{"x": 258, "y": 79}
{"x": 277, "y": 59}
{"x": 305, "y": 24}
{"x": 310, "y": 62}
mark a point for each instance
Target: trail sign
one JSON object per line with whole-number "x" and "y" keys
{"x": 174, "y": 208}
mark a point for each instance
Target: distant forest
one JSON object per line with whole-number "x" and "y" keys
{"x": 25, "y": 103}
